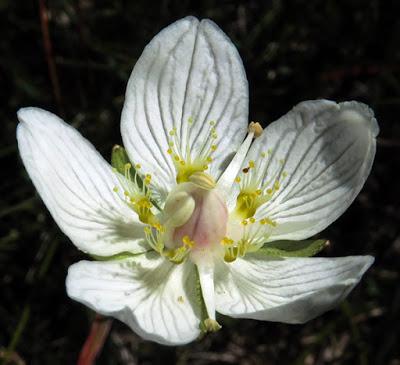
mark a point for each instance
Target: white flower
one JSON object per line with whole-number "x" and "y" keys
{"x": 193, "y": 233}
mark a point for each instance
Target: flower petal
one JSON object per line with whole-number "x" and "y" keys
{"x": 190, "y": 70}
{"x": 291, "y": 290}
{"x": 326, "y": 150}
{"x": 153, "y": 296}
{"x": 76, "y": 184}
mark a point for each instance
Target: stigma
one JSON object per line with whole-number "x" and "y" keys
{"x": 192, "y": 223}
{"x": 196, "y": 214}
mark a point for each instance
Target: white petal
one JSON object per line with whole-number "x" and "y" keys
{"x": 327, "y": 150}
{"x": 189, "y": 70}
{"x": 150, "y": 294}
{"x": 76, "y": 184}
{"x": 291, "y": 290}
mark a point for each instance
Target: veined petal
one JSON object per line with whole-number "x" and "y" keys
{"x": 290, "y": 290}
{"x": 189, "y": 75}
{"x": 312, "y": 162}
{"x": 76, "y": 184}
{"x": 154, "y": 297}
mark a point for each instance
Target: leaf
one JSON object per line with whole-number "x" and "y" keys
{"x": 305, "y": 248}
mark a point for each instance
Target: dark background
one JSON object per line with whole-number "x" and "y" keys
{"x": 292, "y": 51}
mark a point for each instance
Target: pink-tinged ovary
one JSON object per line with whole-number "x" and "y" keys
{"x": 207, "y": 224}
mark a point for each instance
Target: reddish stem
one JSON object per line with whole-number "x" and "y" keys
{"x": 95, "y": 340}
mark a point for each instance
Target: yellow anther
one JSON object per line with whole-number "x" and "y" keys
{"x": 180, "y": 299}
{"x": 203, "y": 180}
{"x": 226, "y": 241}
{"x": 252, "y": 220}
{"x": 238, "y": 179}
{"x": 255, "y": 127}
{"x": 211, "y": 325}
{"x": 209, "y": 159}
{"x": 190, "y": 120}
{"x": 115, "y": 189}
{"x": 127, "y": 166}
{"x": 263, "y": 154}
{"x": 284, "y": 174}
{"x": 176, "y": 158}
{"x": 171, "y": 144}
{"x": 269, "y": 191}
{"x": 169, "y": 151}
{"x": 126, "y": 193}
{"x": 244, "y": 222}
{"x": 158, "y": 227}
{"x": 188, "y": 242}
{"x": 267, "y": 221}
{"x": 213, "y": 147}
{"x": 183, "y": 163}
{"x": 276, "y": 185}
{"x": 138, "y": 166}
{"x": 252, "y": 164}
{"x": 258, "y": 192}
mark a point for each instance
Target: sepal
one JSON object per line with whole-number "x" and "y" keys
{"x": 284, "y": 248}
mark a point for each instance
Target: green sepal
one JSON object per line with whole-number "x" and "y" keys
{"x": 119, "y": 159}
{"x": 118, "y": 256}
{"x": 305, "y": 248}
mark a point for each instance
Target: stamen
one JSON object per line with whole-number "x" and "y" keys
{"x": 136, "y": 194}
{"x": 185, "y": 163}
{"x": 253, "y": 191}
{"x": 252, "y": 237}
{"x": 155, "y": 236}
{"x": 255, "y": 127}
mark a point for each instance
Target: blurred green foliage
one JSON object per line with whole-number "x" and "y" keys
{"x": 292, "y": 51}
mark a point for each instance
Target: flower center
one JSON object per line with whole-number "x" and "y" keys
{"x": 195, "y": 215}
